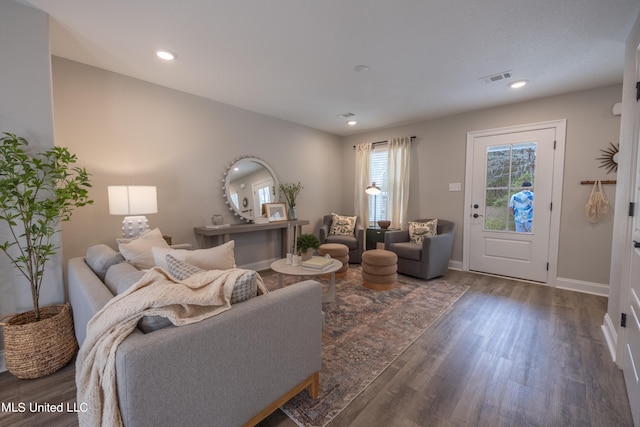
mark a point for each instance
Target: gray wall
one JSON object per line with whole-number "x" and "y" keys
{"x": 25, "y": 109}
{"x": 438, "y": 158}
{"x": 126, "y": 131}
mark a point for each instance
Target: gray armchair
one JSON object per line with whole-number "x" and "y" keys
{"x": 355, "y": 242}
{"x": 427, "y": 260}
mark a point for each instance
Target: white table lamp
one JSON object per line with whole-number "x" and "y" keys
{"x": 134, "y": 201}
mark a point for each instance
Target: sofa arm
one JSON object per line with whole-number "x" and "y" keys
{"x": 225, "y": 369}
{"x": 396, "y": 236}
{"x": 438, "y": 250}
{"x": 440, "y": 243}
{"x": 87, "y": 295}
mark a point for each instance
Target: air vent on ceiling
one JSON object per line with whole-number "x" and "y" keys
{"x": 346, "y": 115}
{"x": 505, "y": 75}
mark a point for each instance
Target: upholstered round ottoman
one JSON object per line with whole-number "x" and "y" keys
{"x": 379, "y": 269}
{"x": 336, "y": 251}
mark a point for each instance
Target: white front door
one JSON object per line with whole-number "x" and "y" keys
{"x": 631, "y": 352}
{"x": 511, "y": 193}
{"x": 631, "y": 356}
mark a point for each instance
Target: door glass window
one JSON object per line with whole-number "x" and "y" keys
{"x": 510, "y": 187}
{"x": 264, "y": 195}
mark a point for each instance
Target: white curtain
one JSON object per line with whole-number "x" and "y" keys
{"x": 398, "y": 185}
{"x": 360, "y": 198}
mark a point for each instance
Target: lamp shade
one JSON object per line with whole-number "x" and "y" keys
{"x": 373, "y": 189}
{"x": 132, "y": 199}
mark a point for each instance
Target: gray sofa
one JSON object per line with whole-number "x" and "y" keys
{"x": 427, "y": 260}
{"x": 229, "y": 370}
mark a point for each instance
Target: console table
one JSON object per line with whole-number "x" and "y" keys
{"x": 210, "y": 237}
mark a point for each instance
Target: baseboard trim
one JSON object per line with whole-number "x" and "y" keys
{"x": 3, "y": 367}
{"x": 455, "y": 265}
{"x": 582, "y": 286}
{"x": 611, "y": 335}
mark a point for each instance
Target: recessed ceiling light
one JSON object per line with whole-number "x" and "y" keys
{"x": 361, "y": 68}
{"x": 351, "y": 122}
{"x": 518, "y": 84}
{"x": 166, "y": 55}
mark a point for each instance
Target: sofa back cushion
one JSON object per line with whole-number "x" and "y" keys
{"x": 121, "y": 276}
{"x": 100, "y": 257}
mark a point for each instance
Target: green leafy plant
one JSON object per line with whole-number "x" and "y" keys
{"x": 307, "y": 241}
{"x": 291, "y": 192}
{"x": 37, "y": 192}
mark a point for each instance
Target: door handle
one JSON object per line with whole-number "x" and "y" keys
{"x": 476, "y": 215}
{"x": 636, "y": 244}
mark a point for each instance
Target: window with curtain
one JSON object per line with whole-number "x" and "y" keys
{"x": 378, "y": 173}
{"x": 386, "y": 164}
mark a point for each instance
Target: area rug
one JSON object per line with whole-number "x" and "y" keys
{"x": 365, "y": 331}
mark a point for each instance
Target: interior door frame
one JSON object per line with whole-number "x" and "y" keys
{"x": 560, "y": 127}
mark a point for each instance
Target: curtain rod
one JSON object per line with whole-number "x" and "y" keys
{"x": 383, "y": 142}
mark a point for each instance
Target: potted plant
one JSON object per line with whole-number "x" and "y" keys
{"x": 37, "y": 192}
{"x": 291, "y": 192}
{"x": 306, "y": 243}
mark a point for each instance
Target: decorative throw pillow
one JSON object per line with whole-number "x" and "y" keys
{"x": 419, "y": 230}
{"x": 343, "y": 225}
{"x": 181, "y": 270}
{"x": 138, "y": 251}
{"x": 217, "y": 258}
{"x": 246, "y": 287}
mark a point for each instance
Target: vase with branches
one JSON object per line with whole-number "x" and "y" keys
{"x": 37, "y": 192}
{"x": 291, "y": 191}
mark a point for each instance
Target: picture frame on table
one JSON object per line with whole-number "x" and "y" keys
{"x": 276, "y": 212}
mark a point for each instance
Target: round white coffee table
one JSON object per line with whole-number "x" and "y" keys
{"x": 281, "y": 267}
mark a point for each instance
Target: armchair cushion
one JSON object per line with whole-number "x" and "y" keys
{"x": 419, "y": 230}
{"x": 343, "y": 225}
{"x": 349, "y": 241}
{"x": 407, "y": 250}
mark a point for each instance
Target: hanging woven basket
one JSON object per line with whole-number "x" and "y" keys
{"x": 36, "y": 349}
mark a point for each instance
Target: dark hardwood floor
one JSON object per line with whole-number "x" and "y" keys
{"x": 508, "y": 353}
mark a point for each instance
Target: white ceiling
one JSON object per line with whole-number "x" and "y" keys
{"x": 295, "y": 59}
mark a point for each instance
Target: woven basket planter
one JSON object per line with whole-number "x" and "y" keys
{"x": 35, "y": 349}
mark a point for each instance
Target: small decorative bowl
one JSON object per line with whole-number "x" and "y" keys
{"x": 384, "y": 224}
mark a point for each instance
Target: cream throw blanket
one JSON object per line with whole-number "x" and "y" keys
{"x": 157, "y": 293}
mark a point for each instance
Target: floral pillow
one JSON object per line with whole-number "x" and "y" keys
{"x": 343, "y": 225}
{"x": 419, "y": 230}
